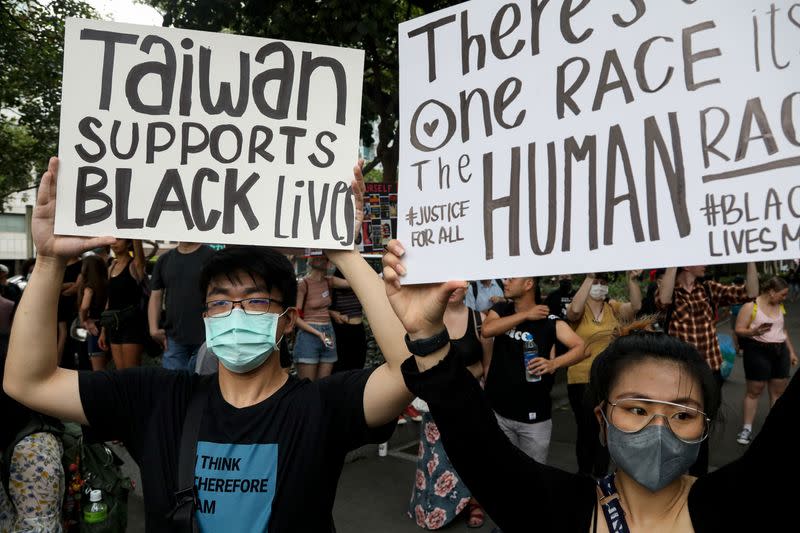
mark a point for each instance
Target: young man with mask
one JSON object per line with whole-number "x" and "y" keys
{"x": 269, "y": 448}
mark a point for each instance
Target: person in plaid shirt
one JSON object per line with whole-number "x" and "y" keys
{"x": 691, "y": 305}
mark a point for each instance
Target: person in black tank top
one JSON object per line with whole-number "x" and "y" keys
{"x": 428, "y": 507}
{"x": 125, "y": 276}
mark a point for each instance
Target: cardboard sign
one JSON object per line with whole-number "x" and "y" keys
{"x": 207, "y": 137}
{"x": 570, "y": 136}
{"x": 380, "y": 217}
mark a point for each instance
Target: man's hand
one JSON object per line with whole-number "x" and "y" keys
{"x": 160, "y": 336}
{"x": 358, "y": 197}
{"x": 538, "y": 366}
{"x": 101, "y": 342}
{"x": 538, "y": 312}
{"x": 42, "y": 224}
{"x": 496, "y": 299}
{"x": 420, "y": 308}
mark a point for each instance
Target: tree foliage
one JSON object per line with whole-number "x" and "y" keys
{"x": 371, "y": 26}
{"x": 31, "y": 60}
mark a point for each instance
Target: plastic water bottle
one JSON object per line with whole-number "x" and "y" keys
{"x": 97, "y": 511}
{"x": 531, "y": 351}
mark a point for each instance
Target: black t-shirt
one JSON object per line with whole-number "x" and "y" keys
{"x": 510, "y": 394}
{"x": 272, "y": 466}
{"x": 179, "y": 276}
{"x": 559, "y": 302}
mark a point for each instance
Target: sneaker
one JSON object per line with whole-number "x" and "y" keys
{"x": 401, "y": 420}
{"x": 412, "y": 413}
{"x": 744, "y": 436}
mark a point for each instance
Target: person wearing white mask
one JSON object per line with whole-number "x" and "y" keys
{"x": 595, "y": 318}
{"x": 248, "y": 449}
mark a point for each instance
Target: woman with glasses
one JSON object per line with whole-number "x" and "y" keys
{"x": 655, "y": 400}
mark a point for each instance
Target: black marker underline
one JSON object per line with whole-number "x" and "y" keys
{"x": 772, "y": 165}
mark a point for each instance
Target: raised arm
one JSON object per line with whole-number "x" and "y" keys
{"x": 137, "y": 265}
{"x": 576, "y": 307}
{"x": 664, "y": 293}
{"x": 32, "y": 376}
{"x": 629, "y": 309}
{"x": 385, "y": 395}
{"x": 510, "y": 485}
{"x": 752, "y": 280}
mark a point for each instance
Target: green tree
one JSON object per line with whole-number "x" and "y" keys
{"x": 370, "y": 26}
{"x": 31, "y": 58}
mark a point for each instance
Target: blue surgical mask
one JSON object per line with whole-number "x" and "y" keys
{"x": 654, "y": 456}
{"x": 242, "y": 341}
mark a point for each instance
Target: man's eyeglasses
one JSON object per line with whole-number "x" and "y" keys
{"x": 251, "y": 306}
{"x": 631, "y": 415}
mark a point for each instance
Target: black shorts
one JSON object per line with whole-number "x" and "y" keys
{"x": 132, "y": 330}
{"x": 764, "y": 361}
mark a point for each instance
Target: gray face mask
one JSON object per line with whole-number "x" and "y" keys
{"x": 654, "y": 456}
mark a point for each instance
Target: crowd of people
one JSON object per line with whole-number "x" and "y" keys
{"x": 268, "y": 372}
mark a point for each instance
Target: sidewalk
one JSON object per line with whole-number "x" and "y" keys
{"x": 374, "y": 491}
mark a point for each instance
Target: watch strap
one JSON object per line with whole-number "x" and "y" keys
{"x": 429, "y": 345}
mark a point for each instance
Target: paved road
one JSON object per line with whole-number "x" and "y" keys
{"x": 374, "y": 491}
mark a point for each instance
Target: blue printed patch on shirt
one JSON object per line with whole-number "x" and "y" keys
{"x": 235, "y": 485}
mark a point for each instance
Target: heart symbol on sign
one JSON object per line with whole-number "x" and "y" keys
{"x": 430, "y": 127}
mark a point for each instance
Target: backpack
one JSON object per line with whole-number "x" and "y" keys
{"x": 86, "y": 466}
{"x": 38, "y": 424}
{"x": 92, "y": 466}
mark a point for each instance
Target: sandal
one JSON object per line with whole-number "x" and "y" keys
{"x": 476, "y": 516}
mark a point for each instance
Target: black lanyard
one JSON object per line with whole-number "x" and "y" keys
{"x": 612, "y": 508}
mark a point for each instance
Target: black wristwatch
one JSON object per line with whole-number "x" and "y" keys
{"x": 423, "y": 347}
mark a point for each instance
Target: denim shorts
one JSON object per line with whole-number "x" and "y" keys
{"x": 310, "y": 350}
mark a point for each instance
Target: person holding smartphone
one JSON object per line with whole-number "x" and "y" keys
{"x": 768, "y": 351}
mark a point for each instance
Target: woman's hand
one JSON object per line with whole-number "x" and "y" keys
{"x": 793, "y": 358}
{"x": 759, "y": 330}
{"x": 634, "y": 275}
{"x": 43, "y": 222}
{"x": 420, "y": 308}
{"x": 91, "y": 326}
{"x": 101, "y": 342}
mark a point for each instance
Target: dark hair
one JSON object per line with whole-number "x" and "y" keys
{"x": 94, "y": 275}
{"x": 774, "y": 284}
{"x": 633, "y": 348}
{"x": 257, "y": 262}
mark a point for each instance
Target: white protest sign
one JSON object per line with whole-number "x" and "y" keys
{"x": 207, "y": 137}
{"x": 543, "y": 137}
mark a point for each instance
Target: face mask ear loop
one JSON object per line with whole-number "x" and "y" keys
{"x": 278, "y": 342}
{"x": 603, "y": 428}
